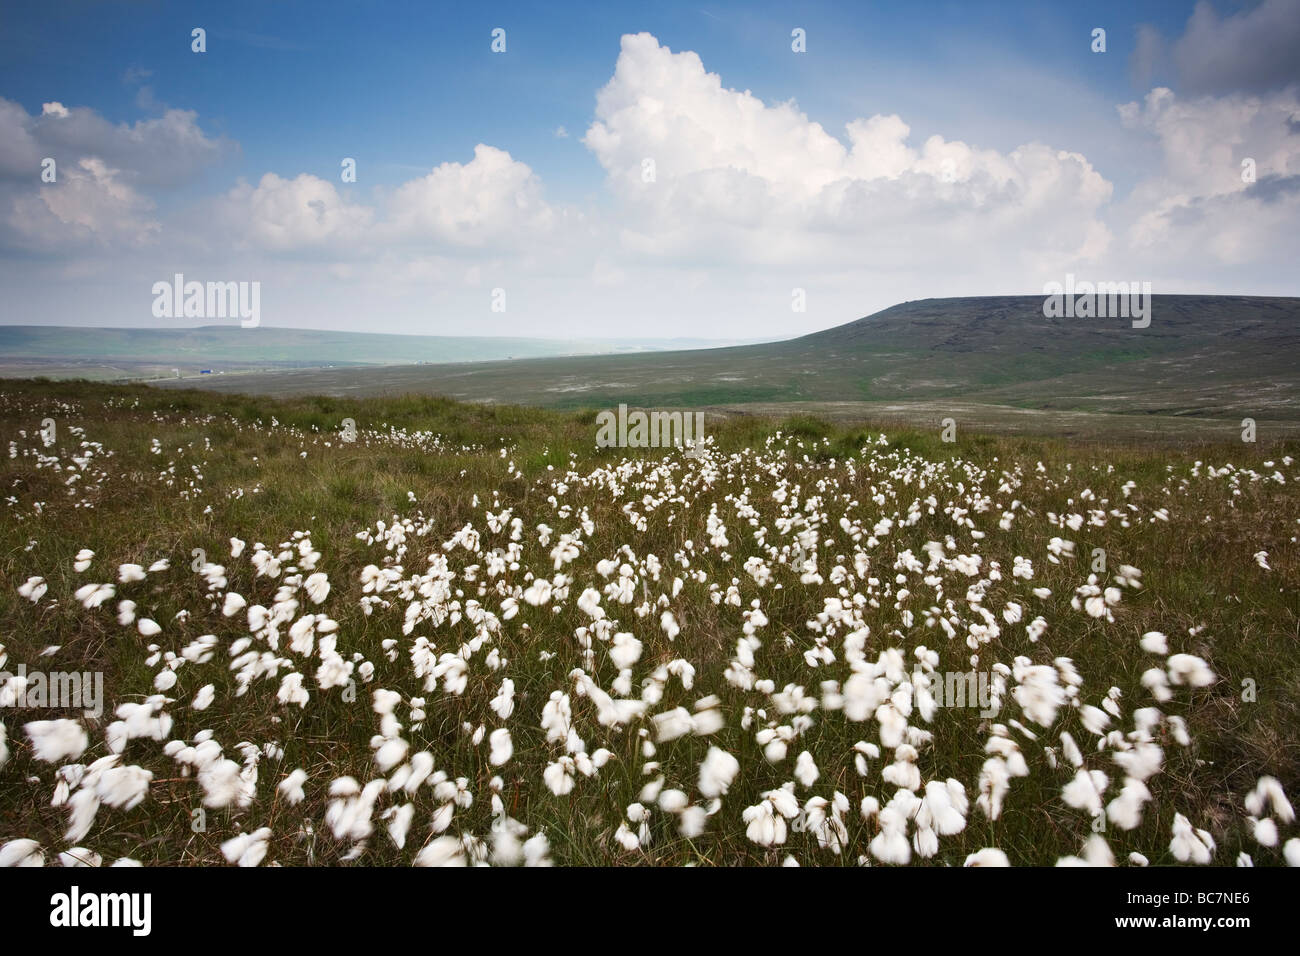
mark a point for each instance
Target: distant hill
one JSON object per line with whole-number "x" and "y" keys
{"x": 1200, "y": 354}
{"x": 1214, "y": 357}
{"x": 120, "y": 352}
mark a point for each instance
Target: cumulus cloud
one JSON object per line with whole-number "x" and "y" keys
{"x": 161, "y": 151}
{"x": 88, "y": 204}
{"x": 490, "y": 206}
{"x": 20, "y": 153}
{"x": 493, "y": 199}
{"x": 708, "y": 173}
{"x": 1199, "y": 204}
{"x": 102, "y": 174}
{"x": 287, "y": 214}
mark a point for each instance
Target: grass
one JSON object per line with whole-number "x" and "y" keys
{"x": 225, "y": 470}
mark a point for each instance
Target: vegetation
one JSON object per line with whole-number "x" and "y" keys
{"x": 760, "y": 586}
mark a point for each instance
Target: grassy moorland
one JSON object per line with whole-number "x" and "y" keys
{"x": 468, "y": 634}
{"x": 1203, "y": 364}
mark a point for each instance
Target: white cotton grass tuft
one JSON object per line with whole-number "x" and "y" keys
{"x": 989, "y": 856}
{"x": 83, "y": 806}
{"x": 22, "y": 852}
{"x": 1096, "y": 852}
{"x": 626, "y": 650}
{"x": 1190, "y": 845}
{"x": 767, "y": 819}
{"x": 1291, "y": 852}
{"x": 390, "y": 753}
{"x": 291, "y": 787}
{"x": 1156, "y": 681}
{"x": 204, "y": 697}
{"x": 123, "y": 787}
{"x": 717, "y": 772}
{"x": 55, "y": 741}
{"x": 223, "y": 785}
{"x": 1125, "y": 811}
{"x": 890, "y": 845}
{"x": 1190, "y": 670}
{"x": 1094, "y": 719}
{"x": 126, "y": 613}
{"x": 247, "y": 849}
{"x": 805, "y": 769}
{"x": 318, "y": 587}
{"x": 1085, "y": 791}
{"x": 502, "y": 748}
{"x": 503, "y": 704}
{"x": 1154, "y": 642}
{"x": 1265, "y": 832}
{"x": 399, "y": 823}
{"x": 94, "y": 595}
{"x": 442, "y": 851}
{"x": 33, "y": 589}
{"x": 1268, "y": 797}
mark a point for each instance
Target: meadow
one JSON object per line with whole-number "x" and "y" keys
{"x": 469, "y": 635}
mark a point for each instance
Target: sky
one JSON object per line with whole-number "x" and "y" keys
{"x": 704, "y": 169}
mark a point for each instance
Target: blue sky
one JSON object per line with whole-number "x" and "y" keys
{"x": 291, "y": 88}
{"x": 407, "y": 84}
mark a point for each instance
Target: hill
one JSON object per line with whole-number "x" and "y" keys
{"x": 1207, "y": 361}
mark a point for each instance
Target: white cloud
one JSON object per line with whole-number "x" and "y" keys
{"x": 20, "y": 153}
{"x": 739, "y": 181}
{"x": 1197, "y": 210}
{"x": 160, "y": 151}
{"x": 1205, "y": 139}
{"x": 289, "y": 214}
{"x": 102, "y": 171}
{"x": 88, "y": 203}
{"x": 488, "y": 210}
{"x": 491, "y": 200}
